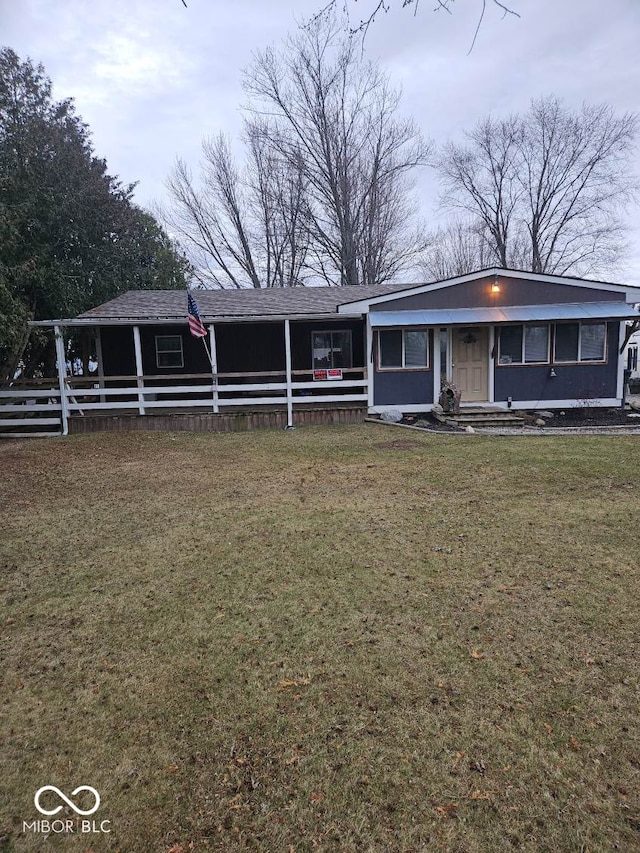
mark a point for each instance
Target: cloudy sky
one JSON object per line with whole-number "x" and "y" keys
{"x": 151, "y": 77}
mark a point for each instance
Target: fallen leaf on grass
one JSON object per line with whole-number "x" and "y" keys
{"x": 481, "y": 795}
{"x": 476, "y": 654}
{"x": 457, "y": 760}
{"x": 177, "y": 848}
{"x": 448, "y": 810}
{"x": 548, "y": 728}
{"x": 317, "y": 796}
{"x": 574, "y": 744}
{"x": 290, "y": 682}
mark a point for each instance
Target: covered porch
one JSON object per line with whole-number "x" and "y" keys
{"x": 243, "y": 374}
{"x": 521, "y": 357}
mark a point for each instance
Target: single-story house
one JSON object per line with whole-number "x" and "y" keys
{"x": 505, "y": 338}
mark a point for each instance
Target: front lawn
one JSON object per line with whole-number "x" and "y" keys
{"x": 332, "y": 639}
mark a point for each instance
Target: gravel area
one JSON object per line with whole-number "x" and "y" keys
{"x": 542, "y": 431}
{"x": 594, "y": 422}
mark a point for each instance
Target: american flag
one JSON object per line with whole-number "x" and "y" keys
{"x": 196, "y": 326}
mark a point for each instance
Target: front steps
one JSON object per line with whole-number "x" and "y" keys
{"x": 480, "y": 416}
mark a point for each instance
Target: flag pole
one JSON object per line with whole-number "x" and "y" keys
{"x": 206, "y": 349}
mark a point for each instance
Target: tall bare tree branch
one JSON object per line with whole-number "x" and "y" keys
{"x": 384, "y": 6}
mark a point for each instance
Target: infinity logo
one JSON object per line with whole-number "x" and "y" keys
{"x": 36, "y": 799}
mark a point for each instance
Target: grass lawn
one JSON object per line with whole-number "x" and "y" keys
{"x": 333, "y": 639}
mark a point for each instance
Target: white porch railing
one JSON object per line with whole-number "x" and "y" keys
{"x": 22, "y": 407}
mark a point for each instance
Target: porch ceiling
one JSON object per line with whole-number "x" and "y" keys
{"x": 509, "y": 314}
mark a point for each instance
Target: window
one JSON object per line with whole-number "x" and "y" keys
{"x": 331, "y": 349}
{"x": 580, "y": 342}
{"x": 169, "y": 351}
{"x": 403, "y": 348}
{"x": 524, "y": 345}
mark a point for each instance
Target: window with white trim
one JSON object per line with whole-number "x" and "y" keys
{"x": 580, "y": 342}
{"x": 403, "y": 349}
{"x": 524, "y": 344}
{"x": 331, "y": 349}
{"x": 169, "y": 351}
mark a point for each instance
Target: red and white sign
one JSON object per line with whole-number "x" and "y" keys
{"x": 334, "y": 373}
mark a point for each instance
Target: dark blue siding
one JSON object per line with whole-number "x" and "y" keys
{"x": 572, "y": 382}
{"x": 402, "y": 387}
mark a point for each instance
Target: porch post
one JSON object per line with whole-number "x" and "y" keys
{"x": 214, "y": 366}
{"x": 61, "y": 359}
{"x": 620, "y": 389}
{"x": 370, "y": 364}
{"x": 436, "y": 364}
{"x": 287, "y": 356}
{"x": 139, "y": 372}
{"x": 100, "y": 364}
{"x": 492, "y": 363}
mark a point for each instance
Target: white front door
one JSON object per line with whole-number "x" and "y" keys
{"x": 470, "y": 363}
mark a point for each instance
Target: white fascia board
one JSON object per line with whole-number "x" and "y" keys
{"x": 631, "y": 294}
{"x": 206, "y": 318}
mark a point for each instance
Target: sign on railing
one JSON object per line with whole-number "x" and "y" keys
{"x": 334, "y": 373}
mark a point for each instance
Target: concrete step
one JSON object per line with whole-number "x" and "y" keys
{"x": 481, "y": 417}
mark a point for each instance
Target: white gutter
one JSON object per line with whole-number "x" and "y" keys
{"x": 206, "y": 319}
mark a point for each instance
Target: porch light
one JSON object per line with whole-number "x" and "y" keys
{"x": 552, "y": 373}
{"x": 495, "y": 287}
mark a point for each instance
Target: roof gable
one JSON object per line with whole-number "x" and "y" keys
{"x": 475, "y": 290}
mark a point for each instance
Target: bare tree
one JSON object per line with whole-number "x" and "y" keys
{"x": 460, "y": 247}
{"x": 576, "y": 179}
{"x": 334, "y": 116}
{"x": 481, "y": 179}
{"x": 549, "y": 186}
{"x": 241, "y": 228}
{"x": 325, "y": 193}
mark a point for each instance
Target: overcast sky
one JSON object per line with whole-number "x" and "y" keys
{"x": 151, "y": 77}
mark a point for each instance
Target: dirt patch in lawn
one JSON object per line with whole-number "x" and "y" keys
{"x": 400, "y": 444}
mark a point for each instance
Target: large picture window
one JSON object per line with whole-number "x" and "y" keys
{"x": 169, "y": 351}
{"x": 331, "y": 349}
{"x": 524, "y": 345}
{"x": 403, "y": 348}
{"x": 580, "y": 342}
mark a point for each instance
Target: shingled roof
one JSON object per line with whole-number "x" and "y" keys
{"x": 277, "y": 301}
